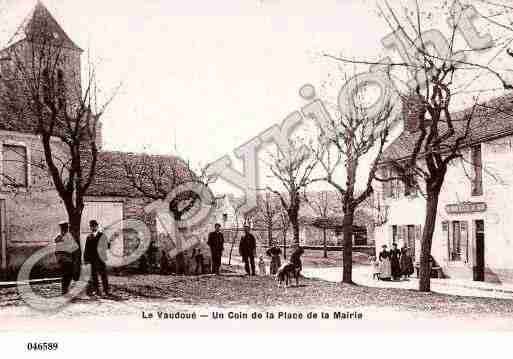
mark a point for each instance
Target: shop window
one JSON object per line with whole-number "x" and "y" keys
{"x": 458, "y": 242}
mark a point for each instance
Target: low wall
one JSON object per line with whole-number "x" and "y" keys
{"x": 369, "y": 250}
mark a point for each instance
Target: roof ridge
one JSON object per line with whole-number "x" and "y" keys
{"x": 496, "y": 126}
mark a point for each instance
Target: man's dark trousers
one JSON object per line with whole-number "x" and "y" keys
{"x": 216, "y": 261}
{"x": 99, "y": 268}
{"x": 67, "y": 276}
{"x": 249, "y": 260}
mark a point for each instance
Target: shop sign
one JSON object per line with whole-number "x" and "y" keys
{"x": 465, "y": 207}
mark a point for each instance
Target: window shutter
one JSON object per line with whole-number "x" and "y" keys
{"x": 399, "y": 234}
{"x": 445, "y": 241}
{"x": 384, "y": 184}
{"x": 464, "y": 241}
{"x": 418, "y": 238}
{"x": 405, "y": 236}
{"x": 391, "y": 185}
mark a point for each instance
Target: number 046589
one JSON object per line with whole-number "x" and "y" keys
{"x": 44, "y": 346}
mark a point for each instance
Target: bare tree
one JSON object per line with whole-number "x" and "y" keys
{"x": 284, "y": 226}
{"x": 155, "y": 176}
{"x": 292, "y": 167}
{"x": 41, "y": 85}
{"x": 438, "y": 135}
{"x": 245, "y": 219}
{"x": 348, "y": 139}
{"x": 376, "y": 208}
{"x": 267, "y": 214}
{"x": 321, "y": 204}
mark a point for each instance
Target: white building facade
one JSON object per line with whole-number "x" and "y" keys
{"x": 473, "y": 236}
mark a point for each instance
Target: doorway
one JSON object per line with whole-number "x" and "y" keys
{"x": 479, "y": 264}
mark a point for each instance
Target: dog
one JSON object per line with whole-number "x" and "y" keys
{"x": 291, "y": 268}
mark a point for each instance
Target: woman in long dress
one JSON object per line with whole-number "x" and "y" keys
{"x": 385, "y": 268}
{"x": 394, "y": 255}
{"x": 406, "y": 263}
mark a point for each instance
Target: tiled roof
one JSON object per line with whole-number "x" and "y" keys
{"x": 494, "y": 121}
{"x": 111, "y": 178}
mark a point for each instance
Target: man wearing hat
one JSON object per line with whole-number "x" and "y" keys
{"x": 216, "y": 244}
{"x": 247, "y": 250}
{"x": 95, "y": 253}
{"x": 64, "y": 240}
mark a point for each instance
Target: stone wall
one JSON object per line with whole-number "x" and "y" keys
{"x": 31, "y": 214}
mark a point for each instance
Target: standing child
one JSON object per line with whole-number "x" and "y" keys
{"x": 261, "y": 266}
{"x": 375, "y": 268}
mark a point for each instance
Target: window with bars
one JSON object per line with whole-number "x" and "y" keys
{"x": 14, "y": 166}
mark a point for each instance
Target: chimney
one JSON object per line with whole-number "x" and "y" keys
{"x": 413, "y": 110}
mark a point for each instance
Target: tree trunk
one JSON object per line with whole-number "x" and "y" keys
{"x": 295, "y": 231}
{"x": 270, "y": 236}
{"x": 75, "y": 220}
{"x": 285, "y": 245}
{"x": 347, "y": 275}
{"x": 325, "y": 243}
{"x": 231, "y": 248}
{"x": 427, "y": 240}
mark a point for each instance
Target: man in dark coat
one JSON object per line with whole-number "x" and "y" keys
{"x": 395, "y": 254}
{"x": 216, "y": 244}
{"x": 95, "y": 253}
{"x": 247, "y": 250}
{"x": 64, "y": 258}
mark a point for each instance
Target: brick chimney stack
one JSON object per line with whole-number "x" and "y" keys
{"x": 413, "y": 110}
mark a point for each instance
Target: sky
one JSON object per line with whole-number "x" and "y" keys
{"x": 200, "y": 78}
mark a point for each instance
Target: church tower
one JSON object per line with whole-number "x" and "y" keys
{"x": 38, "y": 33}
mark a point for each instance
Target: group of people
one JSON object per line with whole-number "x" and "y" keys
{"x": 247, "y": 250}
{"x": 95, "y": 253}
{"x": 393, "y": 264}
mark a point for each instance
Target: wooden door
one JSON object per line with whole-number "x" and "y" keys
{"x": 479, "y": 265}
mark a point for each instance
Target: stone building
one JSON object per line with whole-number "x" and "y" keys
{"x": 472, "y": 238}
{"x": 30, "y": 207}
